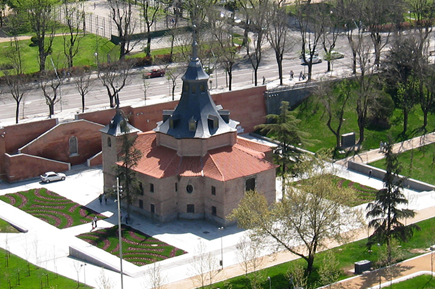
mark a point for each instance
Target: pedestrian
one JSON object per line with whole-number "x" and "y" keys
{"x": 381, "y": 147}
{"x": 300, "y": 76}
{"x": 95, "y": 5}
{"x": 291, "y": 74}
{"x": 105, "y": 198}
{"x": 264, "y": 80}
{"x": 92, "y": 224}
{"x": 100, "y": 198}
{"x": 95, "y": 221}
{"x": 384, "y": 147}
{"x": 370, "y": 174}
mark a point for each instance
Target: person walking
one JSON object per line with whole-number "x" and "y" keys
{"x": 100, "y": 198}
{"x": 300, "y": 76}
{"x": 105, "y": 198}
{"x": 95, "y": 221}
{"x": 291, "y": 74}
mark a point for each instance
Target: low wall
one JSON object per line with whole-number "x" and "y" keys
{"x": 380, "y": 174}
{"x": 96, "y": 256}
{"x": 96, "y": 160}
{"x": 17, "y": 166}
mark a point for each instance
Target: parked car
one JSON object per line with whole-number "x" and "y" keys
{"x": 334, "y": 55}
{"x": 154, "y": 73}
{"x": 52, "y": 177}
{"x": 315, "y": 59}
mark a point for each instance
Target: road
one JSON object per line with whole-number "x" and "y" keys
{"x": 159, "y": 89}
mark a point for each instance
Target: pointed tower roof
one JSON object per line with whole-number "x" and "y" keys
{"x": 196, "y": 115}
{"x": 119, "y": 125}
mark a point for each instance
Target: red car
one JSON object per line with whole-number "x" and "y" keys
{"x": 154, "y": 73}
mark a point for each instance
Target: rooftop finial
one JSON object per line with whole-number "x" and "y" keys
{"x": 194, "y": 44}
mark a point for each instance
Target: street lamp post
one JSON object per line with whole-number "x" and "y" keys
{"x": 84, "y": 271}
{"x": 380, "y": 277}
{"x": 119, "y": 231}
{"x": 270, "y": 282}
{"x": 222, "y": 248}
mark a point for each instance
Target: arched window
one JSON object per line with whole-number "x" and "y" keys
{"x": 73, "y": 146}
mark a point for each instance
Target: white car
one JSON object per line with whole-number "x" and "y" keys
{"x": 335, "y": 55}
{"x": 315, "y": 59}
{"x": 52, "y": 177}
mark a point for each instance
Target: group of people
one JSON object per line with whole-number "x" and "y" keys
{"x": 100, "y": 198}
{"x": 301, "y": 75}
{"x": 382, "y": 146}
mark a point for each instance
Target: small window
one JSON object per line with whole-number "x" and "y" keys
{"x": 176, "y": 187}
{"x": 140, "y": 188}
{"x": 250, "y": 184}
{"x": 193, "y": 89}
{"x": 151, "y": 188}
{"x": 141, "y": 204}
{"x": 202, "y": 88}
{"x": 189, "y": 189}
{"x": 192, "y": 124}
{"x": 109, "y": 142}
{"x": 213, "y": 190}
{"x": 152, "y": 209}
{"x": 213, "y": 210}
{"x": 191, "y": 208}
{"x": 73, "y": 146}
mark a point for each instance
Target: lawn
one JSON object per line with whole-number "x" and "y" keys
{"x": 314, "y": 122}
{"x": 5, "y": 227}
{"x": 418, "y": 163}
{"x": 51, "y": 207}
{"x": 346, "y": 255}
{"x": 137, "y": 248}
{"x": 419, "y": 282}
{"x": 363, "y": 194}
{"x": 18, "y": 273}
{"x": 86, "y": 55}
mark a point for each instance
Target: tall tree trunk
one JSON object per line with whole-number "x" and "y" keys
{"x": 17, "y": 112}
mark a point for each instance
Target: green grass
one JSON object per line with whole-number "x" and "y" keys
{"x": 86, "y": 55}
{"x": 346, "y": 255}
{"x": 314, "y": 122}
{"x": 18, "y": 273}
{"x": 5, "y": 227}
{"x": 419, "y": 282}
{"x": 363, "y": 194}
{"x": 137, "y": 248}
{"x": 418, "y": 163}
{"x": 51, "y": 207}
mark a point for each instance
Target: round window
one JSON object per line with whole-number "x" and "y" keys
{"x": 189, "y": 189}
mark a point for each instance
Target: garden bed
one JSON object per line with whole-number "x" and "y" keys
{"x": 137, "y": 248}
{"x": 51, "y": 208}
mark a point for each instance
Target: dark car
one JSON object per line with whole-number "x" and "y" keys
{"x": 154, "y": 73}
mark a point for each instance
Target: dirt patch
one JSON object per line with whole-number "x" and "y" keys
{"x": 417, "y": 251}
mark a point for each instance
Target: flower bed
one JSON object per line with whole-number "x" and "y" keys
{"x": 51, "y": 208}
{"x": 137, "y": 248}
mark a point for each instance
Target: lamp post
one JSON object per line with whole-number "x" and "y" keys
{"x": 84, "y": 271}
{"x": 119, "y": 231}
{"x": 96, "y": 43}
{"x": 380, "y": 277}
{"x": 270, "y": 282}
{"x": 222, "y": 248}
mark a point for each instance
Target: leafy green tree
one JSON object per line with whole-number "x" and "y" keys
{"x": 284, "y": 128}
{"x": 312, "y": 213}
{"x": 130, "y": 156}
{"x": 40, "y": 16}
{"x": 385, "y": 213}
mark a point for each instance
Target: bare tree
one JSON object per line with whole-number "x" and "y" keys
{"x": 249, "y": 251}
{"x": 74, "y": 16}
{"x": 121, "y": 13}
{"x": 332, "y": 24}
{"x": 39, "y": 14}
{"x": 278, "y": 34}
{"x": 104, "y": 282}
{"x": 51, "y": 90}
{"x": 255, "y": 10}
{"x": 311, "y": 31}
{"x": 154, "y": 277}
{"x": 114, "y": 76}
{"x": 172, "y": 74}
{"x": 150, "y": 13}
{"x": 204, "y": 265}
{"x": 335, "y": 99}
{"x": 15, "y": 78}
{"x": 423, "y": 14}
{"x": 83, "y": 84}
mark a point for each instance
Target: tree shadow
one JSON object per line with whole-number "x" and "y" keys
{"x": 383, "y": 275}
